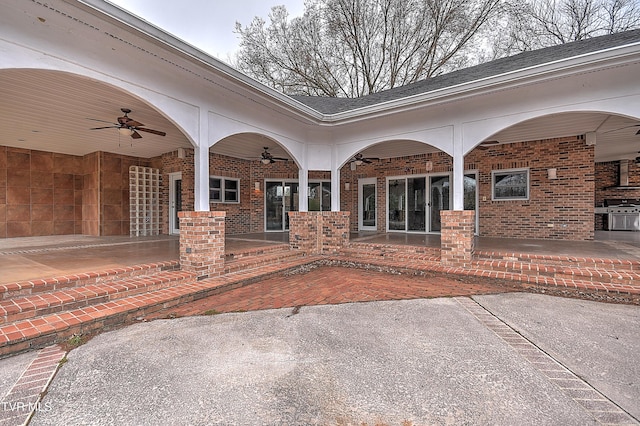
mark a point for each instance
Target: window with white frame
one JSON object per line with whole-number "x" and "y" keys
{"x": 224, "y": 190}
{"x": 510, "y": 184}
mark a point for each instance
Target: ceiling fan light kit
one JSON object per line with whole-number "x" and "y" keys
{"x": 127, "y": 126}
{"x": 268, "y": 158}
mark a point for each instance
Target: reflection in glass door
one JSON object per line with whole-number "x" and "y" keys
{"x": 439, "y": 200}
{"x": 396, "y": 204}
{"x": 280, "y": 199}
{"x": 367, "y": 207}
{"x": 417, "y": 206}
{"x": 273, "y": 194}
{"x": 290, "y": 200}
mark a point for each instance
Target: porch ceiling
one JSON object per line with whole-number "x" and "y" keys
{"x": 50, "y": 111}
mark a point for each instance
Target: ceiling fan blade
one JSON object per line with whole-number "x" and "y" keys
{"x": 136, "y": 135}
{"x": 366, "y": 160}
{"x": 102, "y": 121}
{"x": 107, "y": 127}
{"x": 155, "y": 132}
{"x": 279, "y": 158}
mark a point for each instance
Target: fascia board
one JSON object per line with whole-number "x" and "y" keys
{"x": 156, "y": 35}
{"x": 555, "y": 69}
{"x": 576, "y": 64}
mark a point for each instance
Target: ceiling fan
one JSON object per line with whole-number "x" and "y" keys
{"x": 268, "y": 158}
{"x": 359, "y": 159}
{"x": 127, "y": 126}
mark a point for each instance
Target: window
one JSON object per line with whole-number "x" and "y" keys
{"x": 224, "y": 190}
{"x": 510, "y": 184}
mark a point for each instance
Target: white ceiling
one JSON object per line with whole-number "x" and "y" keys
{"x": 52, "y": 111}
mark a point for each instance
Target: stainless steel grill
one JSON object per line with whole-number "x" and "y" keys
{"x": 623, "y": 214}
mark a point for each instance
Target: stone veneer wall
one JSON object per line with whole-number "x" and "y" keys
{"x": 44, "y": 193}
{"x": 40, "y": 193}
{"x": 556, "y": 209}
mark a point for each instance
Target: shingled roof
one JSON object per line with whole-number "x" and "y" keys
{"x": 327, "y": 105}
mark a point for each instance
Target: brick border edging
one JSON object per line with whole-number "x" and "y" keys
{"x": 25, "y": 396}
{"x": 603, "y": 409}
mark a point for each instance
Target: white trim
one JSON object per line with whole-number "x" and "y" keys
{"x": 361, "y": 182}
{"x": 173, "y": 177}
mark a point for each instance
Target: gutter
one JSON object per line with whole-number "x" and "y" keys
{"x": 588, "y": 61}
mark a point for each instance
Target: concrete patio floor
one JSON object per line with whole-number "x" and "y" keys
{"x": 482, "y": 360}
{"x": 41, "y": 257}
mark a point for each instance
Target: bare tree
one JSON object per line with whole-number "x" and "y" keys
{"x": 352, "y": 48}
{"x": 532, "y": 24}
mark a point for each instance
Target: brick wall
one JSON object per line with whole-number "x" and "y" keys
{"x": 202, "y": 236}
{"x": 565, "y": 203}
{"x": 318, "y": 232}
{"x": 457, "y": 238}
{"x": 241, "y": 218}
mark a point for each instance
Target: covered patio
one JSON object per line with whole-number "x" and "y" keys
{"x": 28, "y": 258}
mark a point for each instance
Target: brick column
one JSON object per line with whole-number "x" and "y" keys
{"x": 318, "y": 232}
{"x": 335, "y": 231}
{"x": 202, "y": 243}
{"x": 457, "y": 237}
{"x": 304, "y": 231}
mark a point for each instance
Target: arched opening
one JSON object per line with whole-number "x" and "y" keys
{"x": 68, "y": 148}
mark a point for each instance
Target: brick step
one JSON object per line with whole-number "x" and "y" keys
{"x": 622, "y": 265}
{"x": 258, "y": 260}
{"x": 560, "y": 271}
{"x": 22, "y": 288}
{"x": 256, "y": 251}
{"x": 392, "y": 251}
{"x": 55, "y": 328}
{"x": 419, "y": 266}
{"x": 34, "y": 305}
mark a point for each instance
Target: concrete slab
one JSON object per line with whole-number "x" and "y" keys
{"x": 419, "y": 361}
{"x": 599, "y": 342}
{"x": 10, "y": 370}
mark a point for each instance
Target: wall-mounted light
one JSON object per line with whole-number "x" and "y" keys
{"x": 428, "y": 165}
{"x": 552, "y": 173}
{"x": 256, "y": 186}
{"x": 347, "y": 186}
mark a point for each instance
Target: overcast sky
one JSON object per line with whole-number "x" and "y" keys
{"x": 206, "y": 24}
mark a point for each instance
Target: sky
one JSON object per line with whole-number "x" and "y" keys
{"x": 206, "y": 24}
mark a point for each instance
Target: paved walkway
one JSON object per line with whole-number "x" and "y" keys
{"x": 334, "y": 285}
{"x": 498, "y": 359}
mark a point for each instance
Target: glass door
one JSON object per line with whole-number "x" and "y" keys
{"x": 367, "y": 204}
{"x": 438, "y": 200}
{"x": 280, "y": 199}
{"x": 471, "y": 193}
{"x": 175, "y": 201}
{"x": 396, "y": 205}
{"x": 274, "y": 194}
{"x": 416, "y": 204}
{"x": 290, "y": 200}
